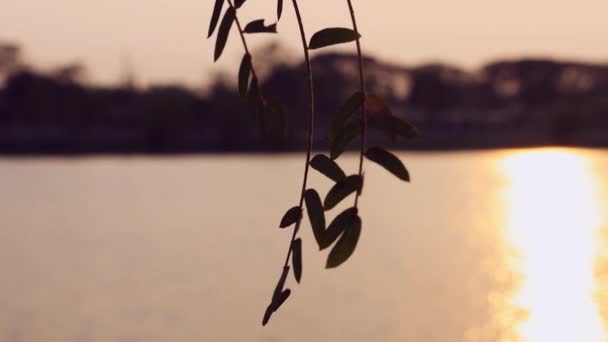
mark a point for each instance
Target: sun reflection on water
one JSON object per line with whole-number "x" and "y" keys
{"x": 553, "y": 221}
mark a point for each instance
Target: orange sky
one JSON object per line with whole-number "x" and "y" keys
{"x": 164, "y": 40}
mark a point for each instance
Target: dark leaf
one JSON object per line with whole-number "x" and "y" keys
{"x": 345, "y": 247}
{"x": 244, "y": 73}
{"x": 267, "y": 314}
{"x": 281, "y": 284}
{"x": 278, "y": 296}
{"x": 296, "y": 254}
{"x": 332, "y": 36}
{"x": 279, "y": 9}
{"x": 389, "y": 161}
{"x": 215, "y": 17}
{"x": 315, "y": 214}
{"x": 328, "y": 167}
{"x": 344, "y": 113}
{"x": 346, "y": 136}
{"x": 342, "y": 222}
{"x": 224, "y": 30}
{"x": 262, "y": 114}
{"x": 341, "y": 190}
{"x": 393, "y": 126}
{"x": 380, "y": 117}
{"x": 275, "y": 305}
{"x": 278, "y": 118}
{"x": 404, "y": 128}
{"x": 238, "y": 3}
{"x": 253, "y": 99}
{"x": 376, "y": 106}
{"x": 281, "y": 299}
{"x": 292, "y": 216}
{"x": 257, "y": 26}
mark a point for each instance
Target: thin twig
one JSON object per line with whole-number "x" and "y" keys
{"x": 252, "y": 69}
{"x": 311, "y": 116}
{"x": 362, "y": 85}
{"x": 311, "y": 123}
{"x": 242, "y": 35}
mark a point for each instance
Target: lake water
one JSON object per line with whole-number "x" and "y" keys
{"x": 482, "y": 246}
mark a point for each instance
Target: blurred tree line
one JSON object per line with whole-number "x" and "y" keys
{"x": 527, "y": 102}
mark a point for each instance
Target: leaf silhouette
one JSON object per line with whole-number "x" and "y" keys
{"x": 281, "y": 299}
{"x": 380, "y": 117}
{"x": 292, "y": 216}
{"x": 296, "y": 259}
{"x": 279, "y": 9}
{"x": 267, "y": 314}
{"x": 215, "y": 17}
{"x": 388, "y": 161}
{"x": 340, "y": 223}
{"x": 393, "y": 126}
{"x": 253, "y": 99}
{"x": 274, "y": 305}
{"x": 344, "y": 113}
{"x": 328, "y": 167}
{"x": 375, "y": 105}
{"x": 315, "y": 214}
{"x": 257, "y": 26}
{"x": 244, "y": 73}
{"x": 281, "y": 284}
{"x": 278, "y": 117}
{"x": 344, "y": 138}
{"x": 278, "y": 296}
{"x": 332, "y": 36}
{"x": 238, "y": 3}
{"x": 224, "y": 30}
{"x": 341, "y": 190}
{"x": 404, "y": 128}
{"x": 345, "y": 247}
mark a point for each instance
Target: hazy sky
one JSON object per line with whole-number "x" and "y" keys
{"x": 165, "y": 41}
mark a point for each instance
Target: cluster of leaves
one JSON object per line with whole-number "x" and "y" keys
{"x": 345, "y": 229}
{"x": 346, "y": 226}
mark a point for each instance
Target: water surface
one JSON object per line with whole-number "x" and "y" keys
{"x": 481, "y": 246}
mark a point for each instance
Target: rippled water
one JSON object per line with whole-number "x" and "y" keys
{"x": 482, "y": 246}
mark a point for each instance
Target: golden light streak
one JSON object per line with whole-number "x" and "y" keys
{"x": 553, "y": 221}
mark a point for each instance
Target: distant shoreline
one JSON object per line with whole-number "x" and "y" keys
{"x": 521, "y": 103}
{"x": 207, "y": 152}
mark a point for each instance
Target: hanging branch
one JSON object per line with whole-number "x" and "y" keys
{"x": 344, "y": 230}
{"x": 363, "y": 93}
{"x": 294, "y": 215}
{"x": 242, "y": 35}
{"x": 311, "y": 121}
